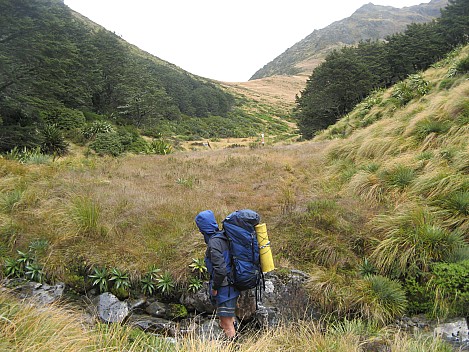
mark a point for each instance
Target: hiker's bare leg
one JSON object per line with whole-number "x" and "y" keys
{"x": 227, "y": 324}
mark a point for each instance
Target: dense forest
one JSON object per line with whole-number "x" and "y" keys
{"x": 350, "y": 74}
{"x": 59, "y": 72}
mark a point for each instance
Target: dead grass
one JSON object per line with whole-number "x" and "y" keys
{"x": 147, "y": 203}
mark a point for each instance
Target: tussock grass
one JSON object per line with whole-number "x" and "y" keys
{"x": 411, "y": 240}
{"x": 135, "y": 211}
{"x": 27, "y": 327}
{"x": 408, "y": 166}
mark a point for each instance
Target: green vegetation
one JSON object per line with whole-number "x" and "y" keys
{"x": 350, "y": 74}
{"x": 375, "y": 210}
{"x": 407, "y": 165}
{"x": 368, "y": 22}
{"x": 64, "y": 79}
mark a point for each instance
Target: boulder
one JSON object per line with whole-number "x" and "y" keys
{"x": 198, "y": 301}
{"x": 153, "y": 324}
{"x": 156, "y": 309}
{"x": 454, "y": 331}
{"x": 41, "y": 293}
{"x": 110, "y": 309}
{"x": 283, "y": 299}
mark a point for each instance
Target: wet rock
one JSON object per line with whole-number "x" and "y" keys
{"x": 156, "y": 309}
{"x": 153, "y": 324}
{"x": 41, "y": 293}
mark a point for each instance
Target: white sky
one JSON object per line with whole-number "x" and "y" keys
{"x": 225, "y": 40}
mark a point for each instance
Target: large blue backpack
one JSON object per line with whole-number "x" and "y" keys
{"x": 239, "y": 228}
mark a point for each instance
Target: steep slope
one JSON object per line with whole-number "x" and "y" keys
{"x": 57, "y": 68}
{"x": 368, "y": 22}
{"x": 50, "y": 55}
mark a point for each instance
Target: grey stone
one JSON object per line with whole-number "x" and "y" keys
{"x": 153, "y": 324}
{"x": 210, "y": 330}
{"x": 198, "y": 301}
{"x": 455, "y": 330}
{"x": 40, "y": 293}
{"x": 137, "y": 303}
{"x": 156, "y": 309}
{"x": 110, "y": 309}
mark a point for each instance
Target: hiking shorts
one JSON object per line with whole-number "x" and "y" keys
{"x": 227, "y": 308}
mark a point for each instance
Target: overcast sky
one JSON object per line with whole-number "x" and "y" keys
{"x": 225, "y": 40}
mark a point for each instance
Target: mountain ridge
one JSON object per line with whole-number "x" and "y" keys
{"x": 369, "y": 22}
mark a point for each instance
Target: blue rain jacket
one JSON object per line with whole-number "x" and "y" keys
{"x": 217, "y": 257}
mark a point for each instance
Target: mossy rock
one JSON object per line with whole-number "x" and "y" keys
{"x": 120, "y": 293}
{"x": 176, "y": 311}
{"x": 77, "y": 283}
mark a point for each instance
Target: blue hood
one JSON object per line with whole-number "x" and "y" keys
{"x": 207, "y": 224}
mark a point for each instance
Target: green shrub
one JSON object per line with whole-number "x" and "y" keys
{"x": 159, "y": 146}
{"x": 414, "y": 86}
{"x": 450, "y": 284}
{"x": 97, "y": 127}
{"x": 419, "y": 296}
{"x": 20, "y": 137}
{"x": 462, "y": 67}
{"x": 64, "y": 118}
{"x": 107, "y": 144}
{"x": 402, "y": 93}
{"x": 139, "y": 146}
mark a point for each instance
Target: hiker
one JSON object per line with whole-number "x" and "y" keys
{"x": 217, "y": 258}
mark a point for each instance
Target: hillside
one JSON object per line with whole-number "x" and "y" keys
{"x": 375, "y": 209}
{"x": 368, "y": 22}
{"x": 291, "y": 69}
{"x": 60, "y": 71}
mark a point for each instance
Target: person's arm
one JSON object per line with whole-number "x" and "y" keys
{"x": 218, "y": 262}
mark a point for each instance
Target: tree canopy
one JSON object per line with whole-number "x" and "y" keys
{"x": 352, "y": 73}
{"x": 52, "y": 59}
